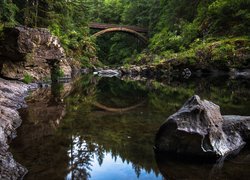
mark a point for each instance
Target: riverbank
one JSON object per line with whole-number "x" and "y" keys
{"x": 12, "y": 95}
{"x": 45, "y": 100}
{"x": 26, "y": 55}
{"x": 214, "y": 56}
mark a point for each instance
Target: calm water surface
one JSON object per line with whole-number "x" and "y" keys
{"x": 103, "y": 128}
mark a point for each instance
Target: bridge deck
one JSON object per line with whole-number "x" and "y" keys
{"x": 106, "y": 26}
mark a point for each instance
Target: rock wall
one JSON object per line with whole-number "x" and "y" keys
{"x": 32, "y": 52}
{"x": 11, "y": 99}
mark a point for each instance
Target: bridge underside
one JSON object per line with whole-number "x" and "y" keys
{"x": 103, "y": 26}
{"x": 122, "y": 29}
{"x": 107, "y": 28}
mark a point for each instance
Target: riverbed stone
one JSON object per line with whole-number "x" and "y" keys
{"x": 199, "y": 129}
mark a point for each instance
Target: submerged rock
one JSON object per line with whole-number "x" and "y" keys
{"x": 191, "y": 168}
{"x": 199, "y": 129}
{"x": 107, "y": 73}
{"x": 235, "y": 73}
{"x": 11, "y": 98}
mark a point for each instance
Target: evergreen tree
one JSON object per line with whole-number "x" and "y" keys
{"x": 8, "y": 11}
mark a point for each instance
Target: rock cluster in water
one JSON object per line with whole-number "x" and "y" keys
{"x": 11, "y": 99}
{"x": 199, "y": 129}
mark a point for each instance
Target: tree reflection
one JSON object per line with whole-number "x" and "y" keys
{"x": 67, "y": 135}
{"x": 80, "y": 154}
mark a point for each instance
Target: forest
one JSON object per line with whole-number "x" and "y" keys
{"x": 189, "y": 30}
{"x": 124, "y": 89}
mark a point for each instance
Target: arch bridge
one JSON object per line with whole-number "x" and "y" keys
{"x": 107, "y": 28}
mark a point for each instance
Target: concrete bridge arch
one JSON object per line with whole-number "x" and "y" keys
{"x": 108, "y": 28}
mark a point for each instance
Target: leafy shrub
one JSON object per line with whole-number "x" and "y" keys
{"x": 27, "y": 78}
{"x": 222, "y": 56}
{"x": 56, "y": 73}
{"x": 165, "y": 40}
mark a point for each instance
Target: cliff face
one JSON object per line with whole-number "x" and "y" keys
{"x": 25, "y": 52}
{"x": 32, "y": 52}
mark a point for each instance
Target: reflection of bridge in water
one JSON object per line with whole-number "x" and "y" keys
{"x": 106, "y": 28}
{"x": 112, "y": 109}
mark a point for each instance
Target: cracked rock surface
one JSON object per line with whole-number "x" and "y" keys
{"x": 12, "y": 95}
{"x": 199, "y": 129}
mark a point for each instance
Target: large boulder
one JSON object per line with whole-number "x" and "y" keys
{"x": 31, "y": 52}
{"x": 39, "y": 42}
{"x": 199, "y": 129}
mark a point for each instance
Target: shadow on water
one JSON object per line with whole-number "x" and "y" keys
{"x": 66, "y": 134}
{"x": 172, "y": 167}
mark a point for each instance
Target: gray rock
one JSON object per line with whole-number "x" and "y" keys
{"x": 198, "y": 128}
{"x": 186, "y": 73}
{"x": 107, "y": 73}
{"x": 34, "y": 52}
{"x": 235, "y": 73}
{"x": 11, "y": 98}
{"x": 239, "y": 124}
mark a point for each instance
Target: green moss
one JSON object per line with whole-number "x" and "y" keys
{"x": 56, "y": 73}
{"x": 215, "y": 52}
{"x": 126, "y": 66}
{"x": 27, "y": 78}
{"x": 1, "y": 30}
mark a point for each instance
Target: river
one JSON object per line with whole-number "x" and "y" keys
{"x": 103, "y": 128}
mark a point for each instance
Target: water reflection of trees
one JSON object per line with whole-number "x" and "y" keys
{"x": 105, "y": 137}
{"x": 162, "y": 99}
{"x": 80, "y": 154}
{"x": 68, "y": 146}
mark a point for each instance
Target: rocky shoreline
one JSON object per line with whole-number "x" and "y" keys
{"x": 12, "y": 98}
{"x": 12, "y": 94}
{"x": 29, "y": 55}
{"x": 159, "y": 72}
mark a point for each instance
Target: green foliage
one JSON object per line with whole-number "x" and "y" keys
{"x": 8, "y": 11}
{"x": 1, "y": 30}
{"x": 165, "y": 40}
{"x": 184, "y": 22}
{"x": 72, "y": 29}
{"x": 176, "y": 26}
{"x": 115, "y": 48}
{"x": 223, "y": 52}
{"x": 66, "y": 19}
{"x": 229, "y": 16}
{"x": 219, "y": 53}
{"x": 56, "y": 73}
{"x": 27, "y": 78}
